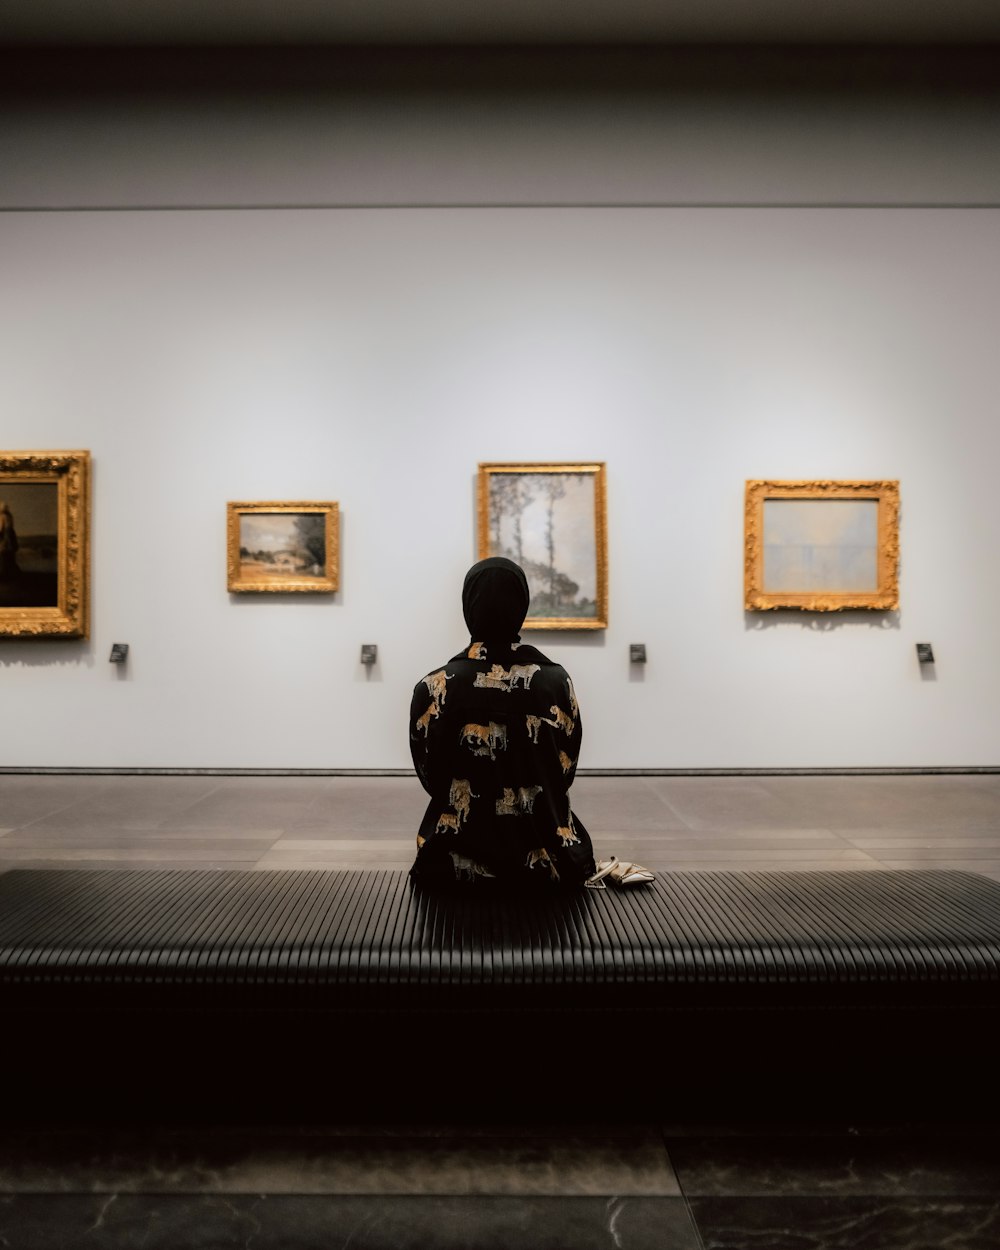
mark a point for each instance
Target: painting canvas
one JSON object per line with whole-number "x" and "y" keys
{"x": 29, "y": 544}
{"x": 44, "y": 544}
{"x": 822, "y": 545}
{"x": 551, "y": 520}
{"x": 283, "y": 547}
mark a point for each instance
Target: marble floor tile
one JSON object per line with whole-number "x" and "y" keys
{"x": 329, "y": 830}
{"x": 263, "y": 1222}
{"x": 289, "y": 863}
{"x": 171, "y": 845}
{"x": 987, "y": 867}
{"x": 253, "y": 805}
{"x": 559, "y": 1165}
{"x": 603, "y": 802}
{"x": 390, "y": 805}
{"x": 928, "y": 848}
{"x": 113, "y": 835}
{"x": 913, "y": 803}
{"x": 246, "y": 849}
{"x": 941, "y": 835}
{"x": 863, "y": 863}
{"x": 785, "y": 823}
{"x": 85, "y": 865}
{"x": 745, "y": 844}
{"x": 736, "y": 839}
{"x": 23, "y": 799}
{"x": 914, "y": 1164}
{"x": 129, "y": 803}
{"x": 723, "y": 803}
{"x": 363, "y": 851}
{"x": 706, "y": 852}
{"x": 869, "y": 1223}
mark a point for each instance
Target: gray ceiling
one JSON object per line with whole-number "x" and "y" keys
{"x": 500, "y": 22}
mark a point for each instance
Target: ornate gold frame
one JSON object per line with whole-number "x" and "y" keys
{"x": 886, "y": 598}
{"x": 70, "y": 470}
{"x": 239, "y": 584}
{"x": 598, "y": 470}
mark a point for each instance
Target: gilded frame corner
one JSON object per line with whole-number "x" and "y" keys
{"x": 884, "y": 599}
{"x": 69, "y": 616}
{"x": 595, "y": 469}
{"x": 241, "y": 579}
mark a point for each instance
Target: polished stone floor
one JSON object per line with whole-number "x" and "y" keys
{"x": 617, "y": 1179}
{"x": 629, "y": 1185}
{"x": 668, "y": 823}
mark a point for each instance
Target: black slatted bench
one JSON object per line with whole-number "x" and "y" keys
{"x": 301, "y": 991}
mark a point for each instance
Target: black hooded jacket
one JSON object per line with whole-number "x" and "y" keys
{"x": 495, "y": 737}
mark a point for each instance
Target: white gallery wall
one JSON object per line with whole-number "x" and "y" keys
{"x": 375, "y": 354}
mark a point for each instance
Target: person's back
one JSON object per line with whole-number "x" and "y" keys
{"x": 495, "y": 736}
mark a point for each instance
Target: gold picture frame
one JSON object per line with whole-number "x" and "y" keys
{"x": 44, "y": 544}
{"x": 817, "y": 557}
{"x": 283, "y": 548}
{"x": 550, "y": 518}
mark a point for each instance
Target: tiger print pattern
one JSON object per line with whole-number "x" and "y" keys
{"x": 496, "y": 749}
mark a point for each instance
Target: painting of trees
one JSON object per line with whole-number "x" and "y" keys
{"x": 550, "y": 520}
{"x": 311, "y": 532}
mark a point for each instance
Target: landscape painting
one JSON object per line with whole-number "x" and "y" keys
{"x": 284, "y": 547}
{"x": 822, "y": 546}
{"x": 551, "y": 520}
{"x": 44, "y": 544}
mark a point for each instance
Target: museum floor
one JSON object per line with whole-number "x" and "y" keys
{"x": 616, "y": 1178}
{"x": 669, "y": 823}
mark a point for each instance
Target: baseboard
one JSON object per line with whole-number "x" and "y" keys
{"x": 877, "y": 771}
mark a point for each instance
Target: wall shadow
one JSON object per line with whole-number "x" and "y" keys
{"x": 820, "y": 622}
{"x": 47, "y": 653}
{"x": 323, "y": 598}
{"x": 545, "y": 638}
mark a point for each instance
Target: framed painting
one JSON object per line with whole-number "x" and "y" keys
{"x": 551, "y": 519}
{"x": 44, "y": 544}
{"x": 821, "y": 546}
{"x": 283, "y": 548}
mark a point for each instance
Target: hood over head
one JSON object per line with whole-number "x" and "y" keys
{"x": 495, "y": 600}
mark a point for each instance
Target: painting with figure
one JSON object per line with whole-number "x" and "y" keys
{"x": 282, "y": 547}
{"x": 29, "y": 544}
{"x": 550, "y": 519}
{"x": 44, "y": 544}
{"x": 821, "y": 546}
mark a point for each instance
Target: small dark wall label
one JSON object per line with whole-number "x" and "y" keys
{"x": 637, "y": 652}
{"x": 369, "y": 653}
{"x": 925, "y": 653}
{"x": 119, "y": 653}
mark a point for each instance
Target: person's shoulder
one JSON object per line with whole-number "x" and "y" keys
{"x": 525, "y": 653}
{"x": 438, "y": 678}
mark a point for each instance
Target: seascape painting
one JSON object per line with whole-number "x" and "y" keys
{"x": 828, "y": 545}
{"x": 550, "y": 521}
{"x": 29, "y": 544}
{"x": 821, "y": 545}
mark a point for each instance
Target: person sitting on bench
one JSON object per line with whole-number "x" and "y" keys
{"x": 495, "y": 737}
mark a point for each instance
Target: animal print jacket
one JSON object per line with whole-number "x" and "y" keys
{"x": 495, "y": 740}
